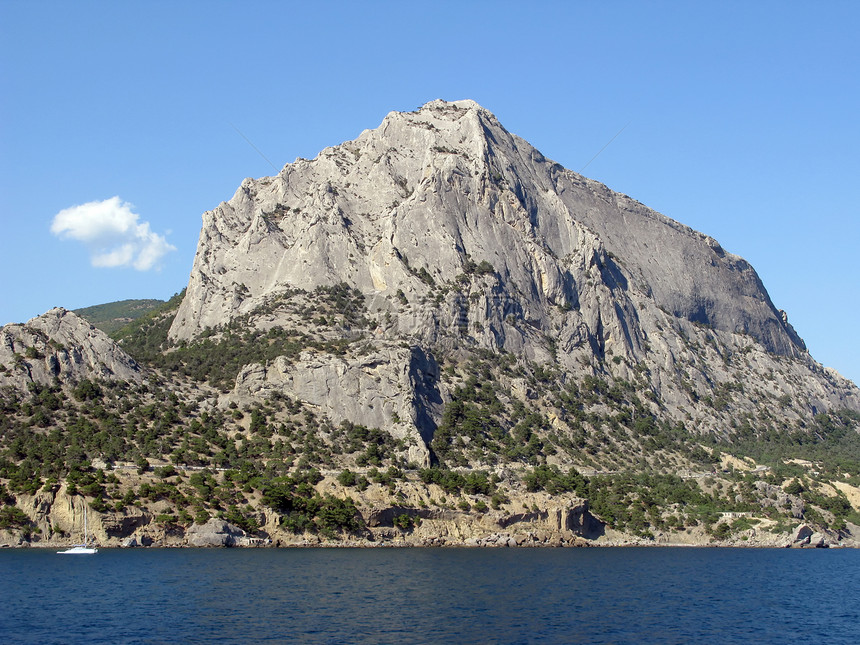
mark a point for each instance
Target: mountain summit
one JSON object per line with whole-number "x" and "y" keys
{"x": 431, "y": 193}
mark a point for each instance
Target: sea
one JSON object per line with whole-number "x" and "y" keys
{"x": 437, "y": 595}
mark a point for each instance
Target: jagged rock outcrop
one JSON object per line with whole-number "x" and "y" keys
{"x": 393, "y": 388}
{"x": 571, "y": 518}
{"x": 561, "y": 520}
{"x": 775, "y": 497}
{"x": 56, "y": 513}
{"x": 61, "y": 346}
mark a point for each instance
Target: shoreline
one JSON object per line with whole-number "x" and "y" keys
{"x": 388, "y": 544}
{"x": 532, "y": 521}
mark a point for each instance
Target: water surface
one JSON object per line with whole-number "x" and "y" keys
{"x": 600, "y": 595}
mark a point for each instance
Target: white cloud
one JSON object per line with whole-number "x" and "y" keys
{"x": 111, "y": 231}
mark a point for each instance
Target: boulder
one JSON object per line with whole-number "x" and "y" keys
{"x": 803, "y": 535}
{"x": 214, "y": 533}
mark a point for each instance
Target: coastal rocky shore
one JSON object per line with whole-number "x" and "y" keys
{"x": 531, "y": 520}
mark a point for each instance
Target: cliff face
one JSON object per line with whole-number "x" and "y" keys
{"x": 59, "y": 345}
{"x": 393, "y": 388}
{"x": 462, "y": 236}
{"x": 58, "y": 519}
{"x": 529, "y": 520}
{"x": 435, "y": 190}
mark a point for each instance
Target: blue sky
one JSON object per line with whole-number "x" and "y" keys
{"x": 741, "y": 121}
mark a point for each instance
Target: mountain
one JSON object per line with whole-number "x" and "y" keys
{"x": 461, "y": 236}
{"x": 433, "y": 334}
{"x": 447, "y": 186}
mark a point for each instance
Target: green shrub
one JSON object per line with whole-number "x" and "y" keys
{"x": 404, "y": 522}
{"x": 13, "y": 517}
{"x": 794, "y": 487}
{"x": 347, "y": 478}
{"x": 337, "y": 514}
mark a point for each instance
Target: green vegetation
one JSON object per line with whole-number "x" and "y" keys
{"x": 113, "y": 316}
{"x": 218, "y": 354}
{"x": 475, "y": 482}
{"x": 831, "y": 439}
{"x": 13, "y": 517}
{"x": 509, "y": 429}
{"x": 553, "y": 481}
{"x": 305, "y": 510}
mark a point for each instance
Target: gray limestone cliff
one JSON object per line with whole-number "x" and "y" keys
{"x": 61, "y": 346}
{"x": 447, "y": 185}
{"x": 460, "y": 235}
{"x": 393, "y": 388}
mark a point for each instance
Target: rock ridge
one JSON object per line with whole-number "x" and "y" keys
{"x": 61, "y": 346}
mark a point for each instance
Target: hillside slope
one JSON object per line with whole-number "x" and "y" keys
{"x": 112, "y": 316}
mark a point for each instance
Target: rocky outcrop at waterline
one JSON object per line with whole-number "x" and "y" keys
{"x": 529, "y": 520}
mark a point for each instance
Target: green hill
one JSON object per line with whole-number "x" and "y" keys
{"x": 112, "y": 316}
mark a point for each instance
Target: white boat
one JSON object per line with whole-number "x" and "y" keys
{"x": 81, "y": 549}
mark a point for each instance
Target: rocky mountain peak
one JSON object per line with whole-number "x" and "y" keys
{"x": 444, "y": 187}
{"x": 60, "y": 346}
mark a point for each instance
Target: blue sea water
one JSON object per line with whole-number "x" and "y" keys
{"x": 600, "y": 595}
